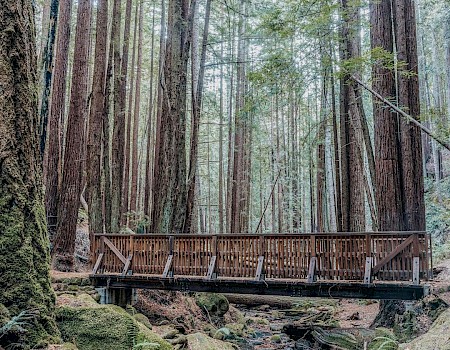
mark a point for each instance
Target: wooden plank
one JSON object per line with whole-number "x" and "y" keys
{"x": 168, "y": 266}
{"x": 259, "y": 270}
{"x": 212, "y": 268}
{"x": 368, "y": 271}
{"x": 312, "y": 270}
{"x": 393, "y": 254}
{"x": 416, "y": 270}
{"x": 115, "y": 250}
{"x": 97, "y": 263}
{"x": 127, "y": 265}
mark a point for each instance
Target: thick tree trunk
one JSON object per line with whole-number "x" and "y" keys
{"x": 410, "y": 134}
{"x": 64, "y": 243}
{"x": 23, "y": 240}
{"x": 169, "y": 197}
{"x": 57, "y": 112}
{"x": 387, "y": 155}
{"x": 94, "y": 147}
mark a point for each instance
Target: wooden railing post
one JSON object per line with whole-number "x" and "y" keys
{"x": 416, "y": 259}
{"x": 260, "y": 267}
{"x": 369, "y": 260}
{"x": 168, "y": 269}
{"x": 212, "y": 271}
{"x": 313, "y": 261}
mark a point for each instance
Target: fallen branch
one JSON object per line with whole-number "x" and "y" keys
{"x": 403, "y": 113}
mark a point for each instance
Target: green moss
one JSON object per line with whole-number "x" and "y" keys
{"x": 438, "y": 337}
{"x": 93, "y": 326}
{"x": 143, "y": 319}
{"x": 200, "y": 341}
{"x": 25, "y": 284}
{"x": 215, "y": 304}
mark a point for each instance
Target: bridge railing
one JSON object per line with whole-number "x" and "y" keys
{"x": 396, "y": 256}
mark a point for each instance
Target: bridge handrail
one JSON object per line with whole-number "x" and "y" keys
{"x": 391, "y": 255}
{"x": 299, "y": 234}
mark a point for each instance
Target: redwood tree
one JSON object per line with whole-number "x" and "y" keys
{"x": 94, "y": 147}
{"x": 64, "y": 243}
{"x": 24, "y": 254}
{"x": 169, "y": 195}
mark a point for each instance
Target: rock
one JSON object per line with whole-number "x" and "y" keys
{"x": 275, "y": 327}
{"x": 200, "y": 341}
{"x": 181, "y": 339}
{"x": 437, "y": 338}
{"x": 276, "y": 338}
{"x": 143, "y": 319}
{"x": 214, "y": 304}
{"x": 263, "y": 308}
{"x": 93, "y": 326}
{"x": 222, "y": 334}
{"x": 172, "y": 333}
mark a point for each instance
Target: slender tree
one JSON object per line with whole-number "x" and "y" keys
{"x": 94, "y": 139}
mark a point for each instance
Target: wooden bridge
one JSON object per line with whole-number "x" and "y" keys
{"x": 376, "y": 265}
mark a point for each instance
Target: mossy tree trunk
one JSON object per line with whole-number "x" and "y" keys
{"x": 24, "y": 244}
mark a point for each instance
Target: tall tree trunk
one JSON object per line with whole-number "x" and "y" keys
{"x": 23, "y": 240}
{"x": 56, "y": 118}
{"x": 151, "y": 107}
{"x": 197, "y": 93}
{"x": 47, "y": 70}
{"x": 137, "y": 111}
{"x": 94, "y": 139}
{"x": 128, "y": 140}
{"x": 162, "y": 54}
{"x": 410, "y": 135}
{"x": 69, "y": 203}
{"x": 352, "y": 167}
{"x": 107, "y": 139}
{"x": 169, "y": 197}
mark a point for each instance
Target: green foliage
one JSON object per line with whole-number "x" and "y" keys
{"x": 384, "y": 340}
{"x": 337, "y": 339}
{"x": 94, "y": 326}
{"x": 437, "y": 201}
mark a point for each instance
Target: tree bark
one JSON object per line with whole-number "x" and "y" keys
{"x": 137, "y": 111}
{"x": 47, "y": 70}
{"x": 23, "y": 240}
{"x": 94, "y": 147}
{"x": 169, "y": 197}
{"x": 69, "y": 202}
{"x": 197, "y": 93}
{"x": 57, "y": 112}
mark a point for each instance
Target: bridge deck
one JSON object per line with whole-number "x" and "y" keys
{"x": 385, "y": 265}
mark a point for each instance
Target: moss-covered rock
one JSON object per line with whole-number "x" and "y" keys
{"x": 215, "y": 304}
{"x": 92, "y": 326}
{"x": 143, "y": 319}
{"x": 200, "y": 341}
{"x": 437, "y": 338}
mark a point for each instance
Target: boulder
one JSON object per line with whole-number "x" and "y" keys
{"x": 92, "y": 326}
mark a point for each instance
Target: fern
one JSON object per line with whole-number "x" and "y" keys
{"x": 338, "y": 340}
{"x": 17, "y": 323}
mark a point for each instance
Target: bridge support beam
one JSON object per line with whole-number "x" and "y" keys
{"x": 117, "y": 296}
